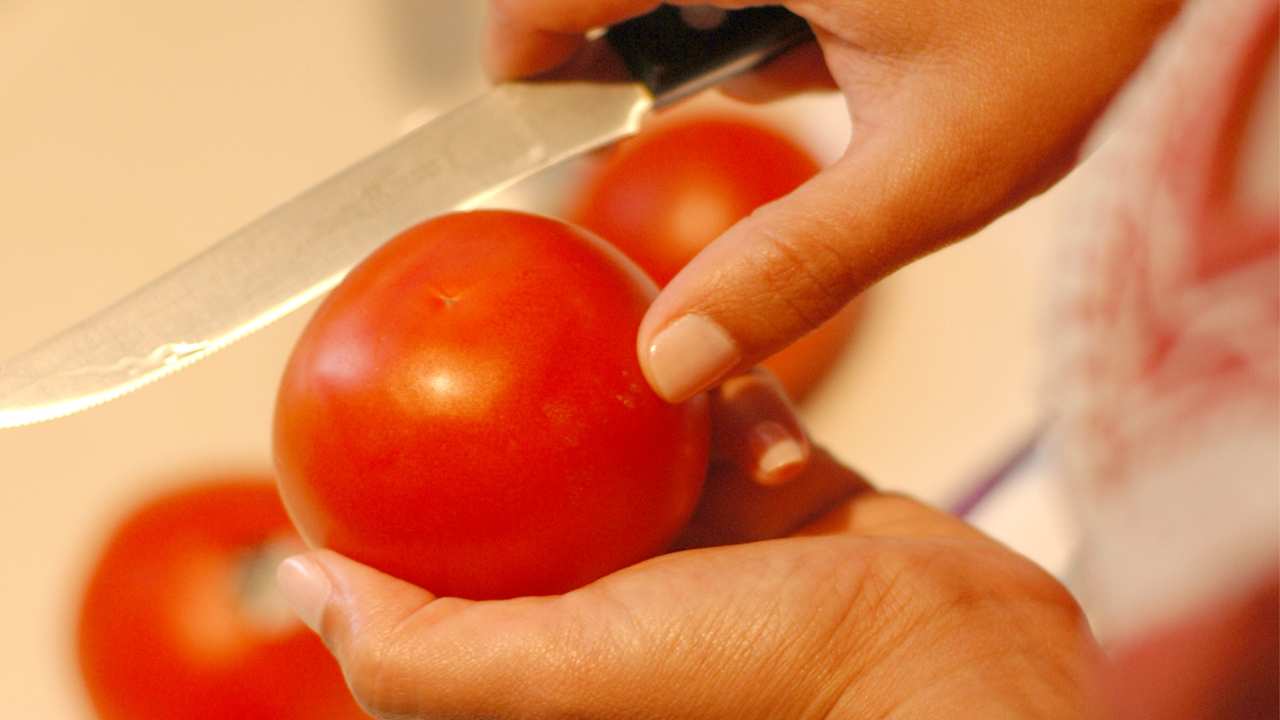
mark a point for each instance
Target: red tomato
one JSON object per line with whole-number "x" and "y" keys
{"x": 466, "y": 412}
{"x": 181, "y": 618}
{"x": 667, "y": 193}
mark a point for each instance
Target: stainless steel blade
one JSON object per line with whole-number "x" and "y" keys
{"x": 303, "y": 248}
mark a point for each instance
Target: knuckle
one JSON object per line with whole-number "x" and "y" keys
{"x": 805, "y": 273}
{"x": 384, "y": 665}
{"x": 366, "y": 670}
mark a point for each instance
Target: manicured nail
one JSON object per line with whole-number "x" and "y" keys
{"x": 306, "y": 588}
{"x": 689, "y": 355}
{"x": 778, "y": 453}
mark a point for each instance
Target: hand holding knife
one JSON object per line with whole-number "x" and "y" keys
{"x": 304, "y": 247}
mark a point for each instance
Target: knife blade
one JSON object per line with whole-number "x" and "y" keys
{"x": 304, "y": 247}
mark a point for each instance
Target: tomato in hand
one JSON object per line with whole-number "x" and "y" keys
{"x": 664, "y": 195}
{"x": 466, "y": 412}
{"x": 182, "y": 619}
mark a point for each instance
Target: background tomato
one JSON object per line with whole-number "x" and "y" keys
{"x": 181, "y": 618}
{"x": 466, "y": 412}
{"x": 667, "y": 193}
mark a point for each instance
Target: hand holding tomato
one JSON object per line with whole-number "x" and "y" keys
{"x": 961, "y": 110}
{"x": 465, "y": 413}
{"x": 868, "y": 605}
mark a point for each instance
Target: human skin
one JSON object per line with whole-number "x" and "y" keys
{"x": 960, "y": 110}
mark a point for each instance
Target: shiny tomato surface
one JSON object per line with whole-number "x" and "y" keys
{"x": 466, "y": 412}
{"x": 181, "y": 618}
{"x": 667, "y": 193}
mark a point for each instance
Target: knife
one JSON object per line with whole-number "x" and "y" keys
{"x": 303, "y": 248}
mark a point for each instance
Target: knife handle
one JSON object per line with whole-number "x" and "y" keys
{"x": 676, "y": 52}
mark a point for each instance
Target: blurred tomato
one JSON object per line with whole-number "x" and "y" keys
{"x": 466, "y": 412}
{"x": 667, "y": 193}
{"x": 181, "y": 618}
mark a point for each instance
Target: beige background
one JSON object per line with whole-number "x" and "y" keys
{"x": 134, "y": 133}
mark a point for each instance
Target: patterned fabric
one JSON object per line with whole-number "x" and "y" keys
{"x": 1166, "y": 335}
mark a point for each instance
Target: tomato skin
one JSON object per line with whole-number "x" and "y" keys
{"x": 466, "y": 412}
{"x": 163, "y": 632}
{"x": 664, "y": 195}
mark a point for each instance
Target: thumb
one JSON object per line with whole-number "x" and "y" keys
{"x": 916, "y": 178}
{"x": 407, "y": 653}
{"x": 766, "y": 282}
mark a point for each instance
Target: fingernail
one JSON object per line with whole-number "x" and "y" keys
{"x": 689, "y": 355}
{"x": 306, "y": 588}
{"x": 777, "y": 451}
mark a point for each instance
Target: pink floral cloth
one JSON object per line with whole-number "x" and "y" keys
{"x": 1166, "y": 338}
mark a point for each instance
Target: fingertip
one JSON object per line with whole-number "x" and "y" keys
{"x": 334, "y": 596}
{"x": 687, "y": 357}
{"x": 306, "y": 588}
{"x": 362, "y": 615}
{"x": 758, "y": 430}
{"x": 778, "y": 454}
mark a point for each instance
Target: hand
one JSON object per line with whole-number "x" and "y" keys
{"x": 961, "y": 110}
{"x": 871, "y": 605}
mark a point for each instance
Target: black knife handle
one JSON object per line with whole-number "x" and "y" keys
{"x": 678, "y": 51}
